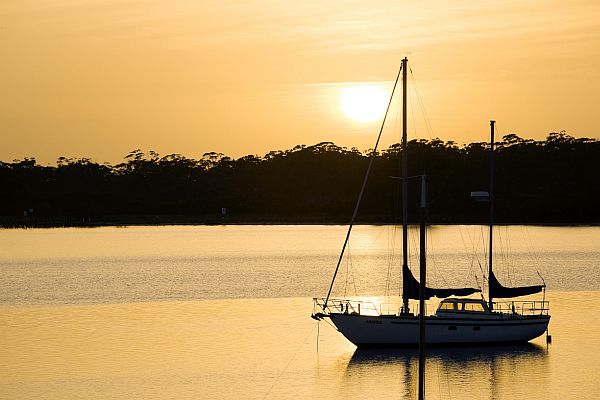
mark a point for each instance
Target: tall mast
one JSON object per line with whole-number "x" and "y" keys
{"x": 362, "y": 188}
{"x": 404, "y": 178}
{"x": 491, "y": 200}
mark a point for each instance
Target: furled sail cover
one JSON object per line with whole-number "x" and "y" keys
{"x": 499, "y": 291}
{"x": 410, "y": 288}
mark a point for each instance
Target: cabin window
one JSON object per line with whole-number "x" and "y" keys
{"x": 474, "y": 307}
{"x": 447, "y": 306}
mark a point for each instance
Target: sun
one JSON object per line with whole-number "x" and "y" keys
{"x": 363, "y": 103}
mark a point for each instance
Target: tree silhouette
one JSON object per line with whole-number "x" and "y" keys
{"x": 552, "y": 180}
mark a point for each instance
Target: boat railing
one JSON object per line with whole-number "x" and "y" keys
{"x": 364, "y": 307}
{"x": 523, "y": 307}
{"x": 346, "y": 306}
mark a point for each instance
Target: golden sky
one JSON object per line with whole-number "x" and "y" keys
{"x": 98, "y": 78}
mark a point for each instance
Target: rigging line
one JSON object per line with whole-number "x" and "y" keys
{"x": 529, "y": 250}
{"x": 373, "y": 243}
{"x": 318, "y": 332}
{"x": 349, "y": 258}
{"x": 437, "y": 271}
{"x": 399, "y": 280}
{"x": 423, "y": 110}
{"x": 416, "y": 249}
{"x": 390, "y": 262}
{"x": 473, "y": 249}
{"x": 288, "y": 363}
{"x": 509, "y": 251}
{"x": 388, "y": 277}
{"x": 412, "y": 248}
{"x": 480, "y": 243}
{"x": 396, "y": 132}
{"x": 474, "y": 245}
{"x": 362, "y": 189}
{"x": 431, "y": 255}
{"x": 478, "y": 286}
{"x": 504, "y": 257}
{"x": 499, "y": 253}
{"x": 347, "y": 275}
{"x": 484, "y": 243}
{"x": 429, "y": 251}
{"x": 533, "y": 249}
{"x": 462, "y": 238}
{"x": 352, "y": 273}
{"x": 485, "y": 247}
{"x": 528, "y": 246}
{"x": 407, "y": 178}
{"x": 482, "y": 271}
{"x": 505, "y": 248}
{"x": 412, "y": 112}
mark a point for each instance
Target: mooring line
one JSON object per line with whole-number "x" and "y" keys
{"x": 288, "y": 364}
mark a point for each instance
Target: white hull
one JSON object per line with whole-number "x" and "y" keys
{"x": 364, "y": 330}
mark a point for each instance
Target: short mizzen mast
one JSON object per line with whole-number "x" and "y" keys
{"x": 404, "y": 180}
{"x": 495, "y": 288}
{"x": 491, "y": 200}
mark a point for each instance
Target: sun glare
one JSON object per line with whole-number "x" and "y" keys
{"x": 364, "y": 103}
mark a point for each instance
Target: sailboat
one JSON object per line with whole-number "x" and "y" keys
{"x": 459, "y": 319}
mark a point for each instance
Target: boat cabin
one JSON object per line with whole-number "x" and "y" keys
{"x": 463, "y": 306}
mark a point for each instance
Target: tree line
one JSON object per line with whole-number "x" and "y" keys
{"x": 555, "y": 180}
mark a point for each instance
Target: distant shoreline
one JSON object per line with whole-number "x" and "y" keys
{"x": 548, "y": 182}
{"x": 13, "y": 222}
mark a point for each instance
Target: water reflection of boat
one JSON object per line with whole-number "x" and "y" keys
{"x": 494, "y": 372}
{"x": 457, "y": 320}
{"x": 455, "y": 355}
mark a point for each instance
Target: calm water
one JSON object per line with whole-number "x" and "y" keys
{"x": 223, "y": 312}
